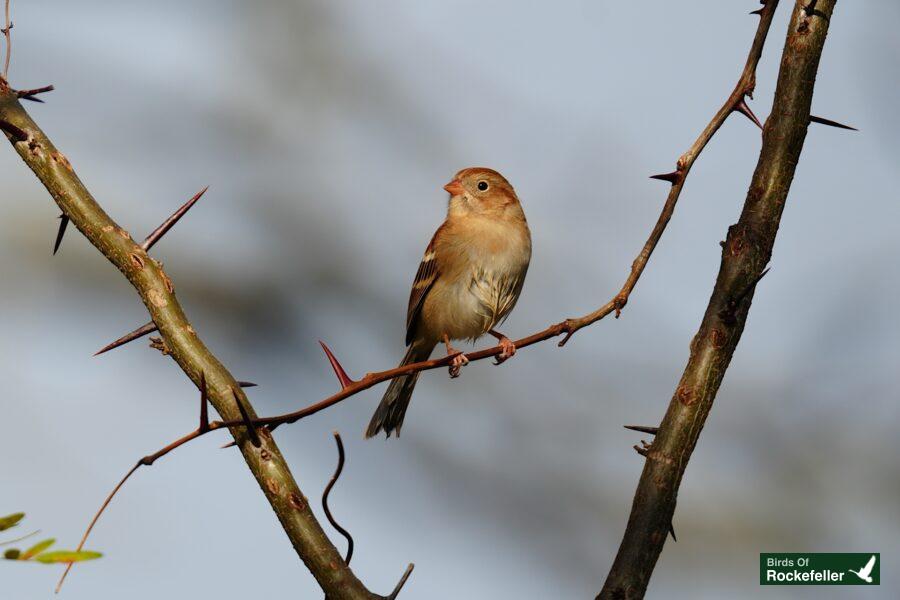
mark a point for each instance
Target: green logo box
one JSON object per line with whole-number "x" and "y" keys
{"x": 819, "y": 568}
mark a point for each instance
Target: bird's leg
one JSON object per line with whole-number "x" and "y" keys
{"x": 459, "y": 360}
{"x": 509, "y": 349}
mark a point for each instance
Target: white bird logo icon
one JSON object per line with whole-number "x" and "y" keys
{"x": 866, "y": 572}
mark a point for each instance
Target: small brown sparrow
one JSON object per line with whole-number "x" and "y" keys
{"x": 467, "y": 283}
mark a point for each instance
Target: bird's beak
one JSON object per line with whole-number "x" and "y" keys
{"x": 454, "y": 188}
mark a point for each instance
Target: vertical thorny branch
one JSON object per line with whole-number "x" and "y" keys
{"x": 745, "y": 254}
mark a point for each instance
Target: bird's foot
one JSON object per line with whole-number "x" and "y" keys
{"x": 508, "y": 350}
{"x": 457, "y": 363}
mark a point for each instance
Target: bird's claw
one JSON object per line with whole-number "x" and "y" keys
{"x": 508, "y": 350}
{"x": 457, "y": 363}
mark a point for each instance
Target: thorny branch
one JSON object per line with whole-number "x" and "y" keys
{"x": 157, "y": 292}
{"x": 745, "y": 254}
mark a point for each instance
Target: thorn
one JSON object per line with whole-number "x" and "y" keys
{"x": 339, "y": 371}
{"x": 752, "y": 284}
{"x": 673, "y": 177}
{"x": 830, "y": 123}
{"x": 19, "y": 134}
{"x": 640, "y": 450}
{"x": 642, "y": 429}
{"x": 170, "y": 222}
{"x": 402, "y": 582}
{"x": 247, "y": 384}
{"x": 757, "y": 12}
{"x": 742, "y": 108}
{"x": 672, "y": 532}
{"x": 251, "y": 430}
{"x": 728, "y": 313}
{"x": 31, "y": 94}
{"x": 129, "y": 337}
{"x": 204, "y": 404}
{"x": 63, "y": 223}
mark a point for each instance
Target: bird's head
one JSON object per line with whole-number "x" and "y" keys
{"x": 479, "y": 190}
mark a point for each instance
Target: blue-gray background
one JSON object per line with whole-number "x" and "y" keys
{"x": 326, "y": 130}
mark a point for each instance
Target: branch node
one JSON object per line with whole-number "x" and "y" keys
{"x": 160, "y": 344}
{"x": 32, "y": 94}
{"x": 741, "y": 107}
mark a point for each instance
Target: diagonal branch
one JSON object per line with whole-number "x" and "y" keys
{"x": 736, "y": 102}
{"x": 745, "y": 254}
{"x": 157, "y": 292}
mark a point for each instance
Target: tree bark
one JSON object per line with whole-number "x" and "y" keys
{"x": 745, "y": 254}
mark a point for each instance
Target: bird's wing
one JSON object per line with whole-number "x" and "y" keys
{"x": 425, "y": 278}
{"x": 866, "y": 570}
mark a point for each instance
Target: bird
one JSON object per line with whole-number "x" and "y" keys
{"x": 866, "y": 572}
{"x": 469, "y": 280}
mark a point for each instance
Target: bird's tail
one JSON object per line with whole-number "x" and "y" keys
{"x": 389, "y": 415}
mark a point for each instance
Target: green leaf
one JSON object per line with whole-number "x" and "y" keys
{"x": 37, "y": 549}
{"x": 11, "y": 554}
{"x": 10, "y": 520}
{"x": 65, "y": 556}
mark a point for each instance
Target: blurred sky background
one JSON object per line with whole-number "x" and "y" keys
{"x": 326, "y": 130}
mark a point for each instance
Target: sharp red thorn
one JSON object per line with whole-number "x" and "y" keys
{"x": 757, "y": 12}
{"x": 830, "y": 123}
{"x": 63, "y": 223}
{"x": 339, "y": 371}
{"x": 251, "y": 430}
{"x": 129, "y": 337}
{"x": 170, "y": 222}
{"x": 204, "y": 403}
{"x": 742, "y": 108}
{"x": 673, "y": 177}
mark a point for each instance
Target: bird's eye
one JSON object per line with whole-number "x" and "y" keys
{"x": 482, "y": 185}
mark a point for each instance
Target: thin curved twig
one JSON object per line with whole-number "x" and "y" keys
{"x": 328, "y": 488}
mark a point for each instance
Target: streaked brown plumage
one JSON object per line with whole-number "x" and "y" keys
{"x": 467, "y": 283}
